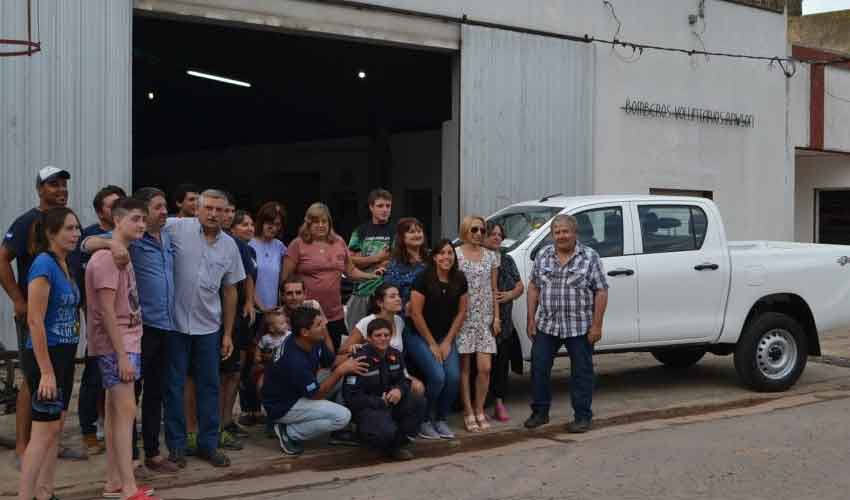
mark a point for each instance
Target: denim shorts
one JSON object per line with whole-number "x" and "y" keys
{"x": 108, "y": 365}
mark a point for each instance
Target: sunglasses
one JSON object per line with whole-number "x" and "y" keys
{"x": 476, "y": 230}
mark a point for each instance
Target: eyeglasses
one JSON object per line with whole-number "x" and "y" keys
{"x": 476, "y": 230}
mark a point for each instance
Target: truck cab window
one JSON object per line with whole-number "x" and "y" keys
{"x": 601, "y": 229}
{"x": 672, "y": 228}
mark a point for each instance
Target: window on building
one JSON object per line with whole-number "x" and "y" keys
{"x": 672, "y": 228}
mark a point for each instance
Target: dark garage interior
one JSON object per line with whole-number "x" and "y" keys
{"x": 323, "y": 119}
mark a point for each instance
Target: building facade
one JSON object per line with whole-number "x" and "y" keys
{"x": 534, "y": 109}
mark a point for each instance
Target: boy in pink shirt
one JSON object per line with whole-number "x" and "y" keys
{"x": 114, "y": 336}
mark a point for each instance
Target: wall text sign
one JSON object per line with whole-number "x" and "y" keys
{"x": 688, "y": 113}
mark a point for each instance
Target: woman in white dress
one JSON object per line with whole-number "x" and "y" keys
{"x": 477, "y": 337}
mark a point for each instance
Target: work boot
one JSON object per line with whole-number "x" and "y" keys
{"x": 402, "y": 453}
{"x": 215, "y": 457}
{"x": 178, "y": 458}
{"x": 228, "y": 441}
{"x": 536, "y": 419}
{"x": 578, "y": 426}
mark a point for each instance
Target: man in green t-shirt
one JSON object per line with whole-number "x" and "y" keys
{"x": 370, "y": 251}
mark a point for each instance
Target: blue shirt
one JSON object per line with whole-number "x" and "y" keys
{"x": 154, "y": 265}
{"x": 293, "y": 376}
{"x": 402, "y": 276}
{"x": 201, "y": 269}
{"x": 17, "y": 239}
{"x": 61, "y": 318}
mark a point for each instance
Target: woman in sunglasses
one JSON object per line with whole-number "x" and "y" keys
{"x": 477, "y": 337}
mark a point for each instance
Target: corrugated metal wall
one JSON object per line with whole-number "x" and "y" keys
{"x": 68, "y": 105}
{"x": 526, "y": 118}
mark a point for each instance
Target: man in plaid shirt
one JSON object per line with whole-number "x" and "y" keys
{"x": 567, "y": 297}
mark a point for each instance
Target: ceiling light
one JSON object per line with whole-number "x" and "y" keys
{"x": 218, "y": 78}
{"x": 150, "y": 96}
{"x": 361, "y": 75}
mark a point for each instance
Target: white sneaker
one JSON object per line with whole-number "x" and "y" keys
{"x": 427, "y": 431}
{"x": 443, "y": 430}
{"x": 99, "y": 433}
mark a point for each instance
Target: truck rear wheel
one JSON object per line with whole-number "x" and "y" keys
{"x": 772, "y": 352}
{"x": 679, "y": 358}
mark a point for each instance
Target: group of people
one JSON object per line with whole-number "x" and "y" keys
{"x": 190, "y": 312}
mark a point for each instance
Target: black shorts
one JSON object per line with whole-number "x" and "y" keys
{"x": 243, "y": 333}
{"x": 231, "y": 364}
{"x": 62, "y": 357}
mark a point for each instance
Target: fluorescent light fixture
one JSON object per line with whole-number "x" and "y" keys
{"x": 218, "y": 78}
{"x": 150, "y": 96}
{"x": 361, "y": 75}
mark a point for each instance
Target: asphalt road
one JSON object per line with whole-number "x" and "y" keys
{"x": 796, "y": 453}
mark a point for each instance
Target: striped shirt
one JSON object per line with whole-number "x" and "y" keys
{"x": 567, "y": 293}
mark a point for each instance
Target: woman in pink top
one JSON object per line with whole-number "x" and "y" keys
{"x": 320, "y": 256}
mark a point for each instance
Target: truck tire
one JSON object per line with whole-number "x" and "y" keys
{"x": 772, "y": 352}
{"x": 679, "y": 358}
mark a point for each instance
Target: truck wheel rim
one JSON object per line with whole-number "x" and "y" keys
{"x": 776, "y": 354}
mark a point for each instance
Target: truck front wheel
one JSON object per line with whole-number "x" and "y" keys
{"x": 771, "y": 354}
{"x": 679, "y": 358}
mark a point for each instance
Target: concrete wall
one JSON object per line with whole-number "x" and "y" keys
{"x": 813, "y": 173}
{"x": 799, "y": 102}
{"x": 750, "y": 170}
{"x": 836, "y": 109}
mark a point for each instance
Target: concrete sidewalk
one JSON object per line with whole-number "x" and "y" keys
{"x": 630, "y": 387}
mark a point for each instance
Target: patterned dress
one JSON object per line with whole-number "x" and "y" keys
{"x": 507, "y": 281}
{"x": 476, "y": 334}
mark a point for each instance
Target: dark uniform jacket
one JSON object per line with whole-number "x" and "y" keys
{"x": 383, "y": 375}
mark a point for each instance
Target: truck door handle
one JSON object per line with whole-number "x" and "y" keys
{"x": 707, "y": 267}
{"x": 621, "y": 272}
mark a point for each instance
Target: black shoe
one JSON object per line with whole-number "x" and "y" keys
{"x": 248, "y": 420}
{"x": 344, "y": 438}
{"x": 236, "y": 430}
{"x": 536, "y": 420}
{"x": 287, "y": 444}
{"x": 578, "y": 426}
{"x": 178, "y": 458}
{"x": 401, "y": 454}
{"x": 215, "y": 457}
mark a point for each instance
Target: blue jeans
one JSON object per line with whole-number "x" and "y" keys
{"x": 442, "y": 380}
{"x": 543, "y": 351}
{"x": 310, "y": 418}
{"x": 199, "y": 356}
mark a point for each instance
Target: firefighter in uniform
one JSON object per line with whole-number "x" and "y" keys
{"x": 382, "y": 405}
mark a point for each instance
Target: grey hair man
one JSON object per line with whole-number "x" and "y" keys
{"x": 567, "y": 297}
{"x": 207, "y": 268}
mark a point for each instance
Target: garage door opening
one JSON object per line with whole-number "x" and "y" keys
{"x": 833, "y": 217}
{"x": 303, "y": 119}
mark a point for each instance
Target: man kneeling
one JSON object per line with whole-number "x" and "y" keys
{"x": 385, "y": 409}
{"x": 293, "y": 397}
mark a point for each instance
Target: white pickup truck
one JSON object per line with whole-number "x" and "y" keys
{"x": 678, "y": 289}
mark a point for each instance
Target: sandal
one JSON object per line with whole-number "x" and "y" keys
{"x": 141, "y": 495}
{"x": 471, "y": 424}
{"x": 116, "y": 493}
{"x": 483, "y": 424}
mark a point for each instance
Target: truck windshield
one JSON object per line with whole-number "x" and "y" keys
{"x": 521, "y": 221}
